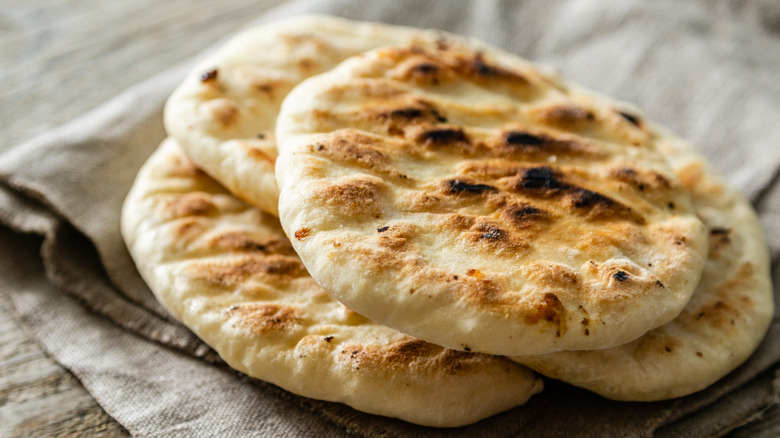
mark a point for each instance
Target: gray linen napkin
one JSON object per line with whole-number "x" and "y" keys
{"x": 708, "y": 70}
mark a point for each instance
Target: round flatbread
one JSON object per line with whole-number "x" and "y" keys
{"x": 227, "y": 271}
{"x": 720, "y": 327}
{"x": 460, "y": 195}
{"x": 223, "y": 113}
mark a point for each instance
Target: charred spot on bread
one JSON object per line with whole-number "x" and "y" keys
{"x": 641, "y": 179}
{"x": 620, "y": 276}
{"x": 457, "y": 186}
{"x": 441, "y": 136}
{"x": 493, "y": 233}
{"x": 425, "y": 68}
{"x": 524, "y": 215}
{"x": 210, "y": 75}
{"x": 537, "y": 146}
{"x": 547, "y": 183}
{"x": 634, "y": 120}
{"x": 406, "y": 113}
{"x": 519, "y": 138}
{"x": 587, "y": 198}
{"x": 544, "y": 178}
{"x": 478, "y": 68}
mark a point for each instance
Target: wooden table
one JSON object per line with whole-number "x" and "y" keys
{"x": 60, "y": 59}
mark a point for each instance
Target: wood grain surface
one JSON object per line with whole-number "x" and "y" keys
{"x": 58, "y": 60}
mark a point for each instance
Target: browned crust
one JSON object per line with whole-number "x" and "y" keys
{"x": 423, "y": 67}
{"x": 258, "y": 154}
{"x": 237, "y": 271}
{"x": 357, "y": 197}
{"x": 549, "y": 183}
{"x": 418, "y": 356}
{"x": 242, "y": 241}
{"x": 225, "y": 113}
{"x": 567, "y": 116}
{"x": 190, "y": 204}
{"x": 359, "y": 150}
{"x": 261, "y": 318}
{"x": 729, "y": 303}
{"x": 549, "y": 309}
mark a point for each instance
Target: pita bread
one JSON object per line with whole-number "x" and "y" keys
{"x": 462, "y": 196}
{"x": 226, "y": 270}
{"x": 223, "y": 113}
{"x": 720, "y": 327}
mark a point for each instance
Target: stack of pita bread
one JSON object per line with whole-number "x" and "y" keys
{"x": 409, "y": 222}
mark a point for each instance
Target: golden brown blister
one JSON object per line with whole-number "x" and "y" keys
{"x": 227, "y": 271}
{"x": 457, "y": 193}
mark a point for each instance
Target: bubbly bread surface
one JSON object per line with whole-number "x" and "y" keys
{"x": 724, "y": 322}
{"x": 459, "y": 194}
{"x": 223, "y": 113}
{"x": 227, "y": 271}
